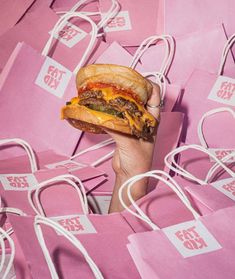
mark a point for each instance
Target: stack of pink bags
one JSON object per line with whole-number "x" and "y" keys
{"x": 56, "y": 182}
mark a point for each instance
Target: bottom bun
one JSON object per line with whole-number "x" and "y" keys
{"x": 92, "y": 121}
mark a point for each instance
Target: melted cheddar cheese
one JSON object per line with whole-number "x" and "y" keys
{"x": 109, "y": 94}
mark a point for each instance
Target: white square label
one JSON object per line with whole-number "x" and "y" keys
{"x": 70, "y": 34}
{"x": 223, "y": 91}
{"x": 53, "y": 77}
{"x": 18, "y": 182}
{"x": 120, "y": 22}
{"x": 68, "y": 164}
{"x": 226, "y": 186}
{"x": 76, "y": 224}
{"x": 221, "y": 153}
{"x": 191, "y": 238}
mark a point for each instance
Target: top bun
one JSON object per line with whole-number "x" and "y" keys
{"x": 120, "y": 76}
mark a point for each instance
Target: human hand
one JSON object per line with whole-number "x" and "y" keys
{"x": 133, "y": 156}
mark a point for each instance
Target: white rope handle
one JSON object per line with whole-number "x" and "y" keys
{"x": 171, "y": 163}
{"x": 39, "y": 220}
{"x": 214, "y": 168}
{"x": 225, "y": 51}
{"x": 6, "y": 235}
{"x": 103, "y": 159}
{"x": 70, "y": 179}
{"x": 161, "y": 80}
{"x": 12, "y": 210}
{"x": 93, "y": 147}
{"x": 202, "y": 139}
{"x": 27, "y": 148}
{"x": 60, "y": 24}
{"x": 157, "y": 175}
{"x": 168, "y": 56}
{"x": 12, "y": 255}
{"x": 204, "y": 116}
{"x": 111, "y": 13}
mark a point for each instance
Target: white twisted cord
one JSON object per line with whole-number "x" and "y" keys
{"x": 39, "y": 220}
{"x": 27, "y": 148}
{"x": 170, "y": 158}
{"x": 70, "y": 179}
{"x": 12, "y": 255}
{"x": 168, "y": 56}
{"x": 224, "y": 55}
{"x": 60, "y": 24}
{"x": 93, "y": 147}
{"x": 160, "y": 79}
{"x": 154, "y": 174}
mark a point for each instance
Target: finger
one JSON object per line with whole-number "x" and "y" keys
{"x": 153, "y": 104}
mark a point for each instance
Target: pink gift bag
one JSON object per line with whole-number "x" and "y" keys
{"x": 115, "y": 54}
{"x": 107, "y": 250}
{"x": 133, "y": 22}
{"x": 28, "y": 162}
{"x": 190, "y": 53}
{"x": 192, "y": 158}
{"x": 186, "y": 16}
{"x": 212, "y": 91}
{"x": 11, "y": 12}
{"x": 64, "y": 252}
{"x": 220, "y": 144}
{"x": 38, "y": 86}
{"x": 7, "y": 254}
{"x": 214, "y": 196}
{"x": 161, "y": 205}
{"x": 49, "y": 160}
{"x": 101, "y": 235}
{"x": 75, "y": 36}
{"x": 211, "y": 191}
{"x": 191, "y": 247}
{"x": 14, "y": 263}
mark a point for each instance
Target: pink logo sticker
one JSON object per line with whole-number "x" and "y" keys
{"x": 70, "y": 35}
{"x": 120, "y": 22}
{"x": 72, "y": 224}
{"x": 223, "y": 91}
{"x": 191, "y": 238}
{"x": 221, "y": 153}
{"x": 76, "y": 224}
{"x": 226, "y": 186}
{"x": 68, "y": 164}
{"x": 53, "y": 77}
{"x": 18, "y": 182}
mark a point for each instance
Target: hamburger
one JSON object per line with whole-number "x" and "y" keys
{"x": 111, "y": 97}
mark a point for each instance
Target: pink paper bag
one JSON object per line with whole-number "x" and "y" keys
{"x": 103, "y": 245}
{"x": 210, "y": 188}
{"x": 20, "y": 268}
{"x": 38, "y": 86}
{"x": 71, "y": 39}
{"x": 190, "y": 53}
{"x": 161, "y": 205}
{"x": 11, "y": 12}
{"x": 127, "y": 27}
{"x": 14, "y": 190}
{"x": 214, "y": 196}
{"x": 183, "y": 17}
{"x": 192, "y": 247}
{"x": 197, "y": 90}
